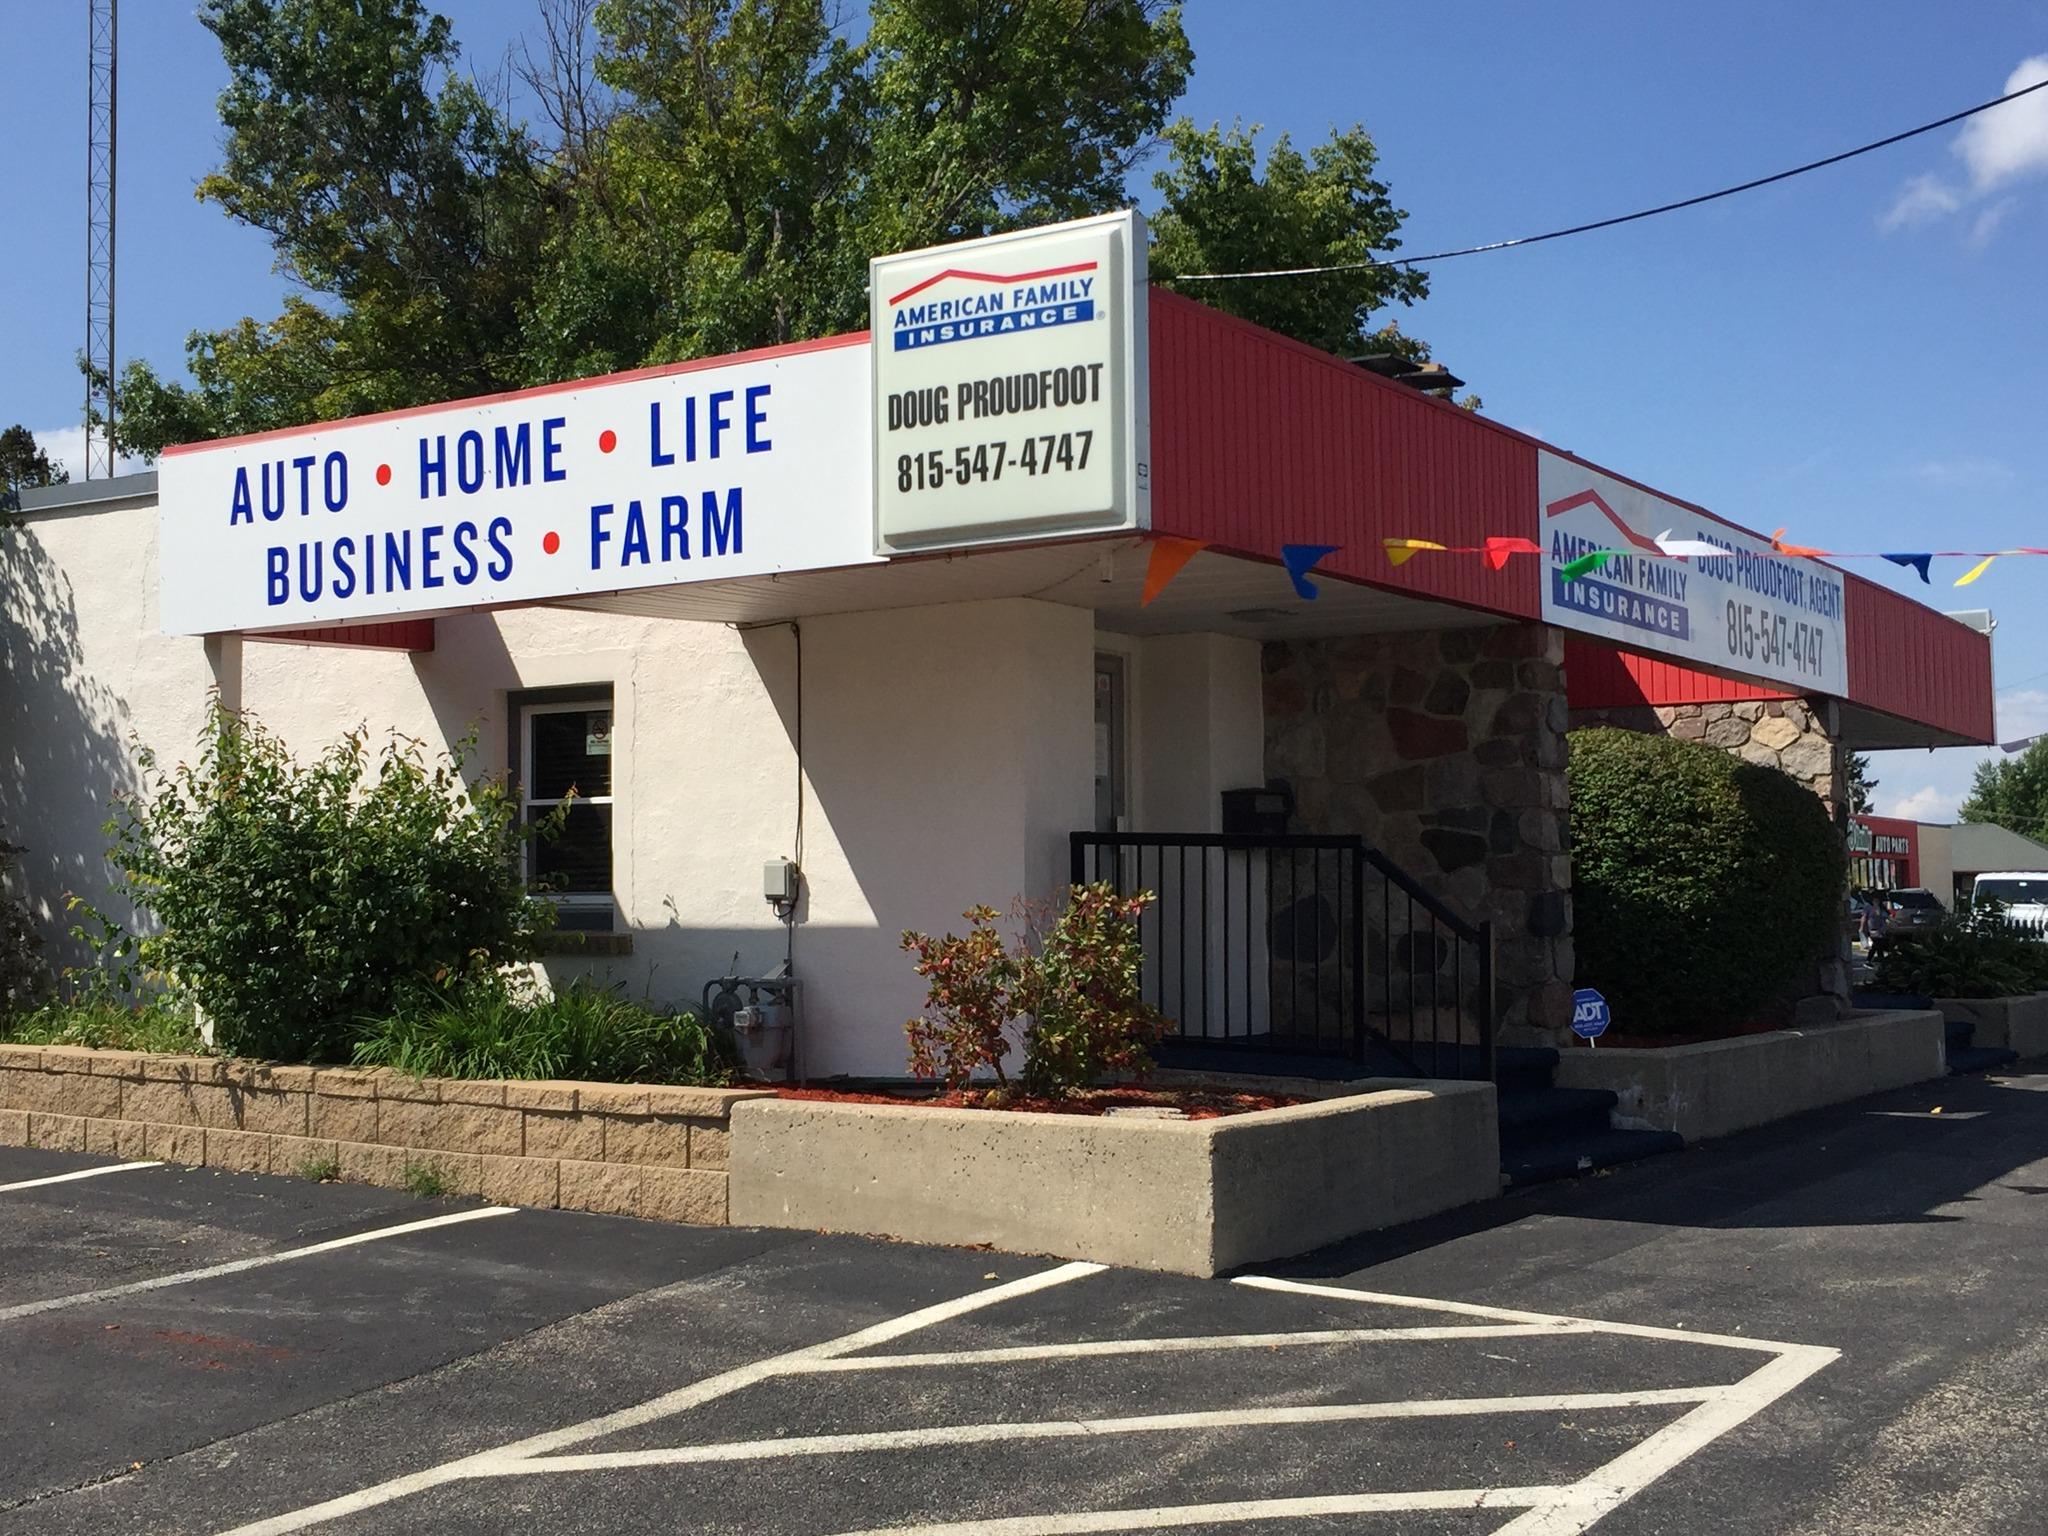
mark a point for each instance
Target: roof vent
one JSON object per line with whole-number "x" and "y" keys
{"x": 1430, "y": 378}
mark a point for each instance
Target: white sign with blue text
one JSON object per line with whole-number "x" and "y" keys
{"x": 1751, "y": 611}
{"x": 694, "y": 473}
{"x": 1010, "y": 386}
{"x": 1590, "y": 1014}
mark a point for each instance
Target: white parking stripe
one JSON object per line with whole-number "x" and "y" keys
{"x": 79, "y": 1173}
{"x": 1092, "y": 1348}
{"x": 241, "y": 1266}
{"x": 1079, "y": 1429}
{"x": 1163, "y": 1518}
{"x": 1509, "y": 1315}
{"x": 1642, "y": 1464}
{"x": 488, "y": 1463}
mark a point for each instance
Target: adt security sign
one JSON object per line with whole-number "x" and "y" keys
{"x": 1590, "y": 1016}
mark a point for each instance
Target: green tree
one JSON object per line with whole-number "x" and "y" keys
{"x": 2011, "y": 791}
{"x": 1861, "y": 785}
{"x": 1220, "y": 213}
{"x": 708, "y": 175}
{"x": 23, "y": 463}
{"x": 390, "y": 188}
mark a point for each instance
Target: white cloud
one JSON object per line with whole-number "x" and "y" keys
{"x": 66, "y": 446}
{"x": 1985, "y": 225}
{"x": 2011, "y": 141}
{"x": 1921, "y": 201}
{"x": 1997, "y": 148}
{"x": 1929, "y": 802}
{"x": 1967, "y": 474}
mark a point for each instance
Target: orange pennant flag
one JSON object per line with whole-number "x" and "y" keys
{"x": 1401, "y": 551}
{"x": 1167, "y": 558}
{"x": 1797, "y": 551}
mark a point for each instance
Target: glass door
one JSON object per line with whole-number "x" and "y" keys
{"x": 1112, "y": 773}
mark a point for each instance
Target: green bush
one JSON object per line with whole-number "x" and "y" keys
{"x": 1704, "y": 888}
{"x": 105, "y": 1020}
{"x": 1972, "y": 954}
{"x": 291, "y": 901}
{"x": 1072, "y": 985}
{"x": 485, "y": 1027}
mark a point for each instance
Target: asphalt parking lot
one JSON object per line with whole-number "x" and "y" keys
{"x": 1835, "y": 1326}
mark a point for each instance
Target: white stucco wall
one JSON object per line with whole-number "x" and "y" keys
{"x": 948, "y": 753}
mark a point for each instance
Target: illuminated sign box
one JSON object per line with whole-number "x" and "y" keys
{"x": 1010, "y": 387}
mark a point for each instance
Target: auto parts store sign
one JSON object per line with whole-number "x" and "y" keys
{"x": 1751, "y": 610}
{"x": 1009, "y": 385}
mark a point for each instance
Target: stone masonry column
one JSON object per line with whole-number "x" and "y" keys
{"x": 1445, "y": 749}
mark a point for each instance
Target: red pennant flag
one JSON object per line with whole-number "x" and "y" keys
{"x": 1167, "y": 558}
{"x": 1499, "y": 547}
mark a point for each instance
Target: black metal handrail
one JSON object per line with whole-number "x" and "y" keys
{"x": 1302, "y": 944}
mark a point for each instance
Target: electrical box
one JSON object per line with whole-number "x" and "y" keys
{"x": 778, "y": 882}
{"x": 1257, "y": 812}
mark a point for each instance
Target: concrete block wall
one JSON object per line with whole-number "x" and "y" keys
{"x": 657, "y": 1152}
{"x": 1445, "y": 749}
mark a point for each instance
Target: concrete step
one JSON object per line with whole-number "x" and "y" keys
{"x": 1963, "y": 1059}
{"x": 1570, "y": 1158}
{"x": 1531, "y": 1117}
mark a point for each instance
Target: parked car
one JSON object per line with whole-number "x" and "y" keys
{"x": 2023, "y": 893}
{"x": 1908, "y": 913}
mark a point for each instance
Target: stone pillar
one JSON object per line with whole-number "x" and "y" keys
{"x": 1445, "y": 749}
{"x": 1800, "y": 737}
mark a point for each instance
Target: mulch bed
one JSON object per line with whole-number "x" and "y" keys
{"x": 1195, "y": 1103}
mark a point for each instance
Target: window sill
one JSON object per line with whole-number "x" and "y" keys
{"x": 568, "y": 941}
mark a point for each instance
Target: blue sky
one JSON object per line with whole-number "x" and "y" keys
{"x": 1860, "y": 355}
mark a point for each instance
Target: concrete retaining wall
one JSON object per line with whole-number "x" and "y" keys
{"x": 637, "y": 1151}
{"x": 1721, "y": 1086}
{"x": 1192, "y": 1196}
{"x": 2011, "y": 1023}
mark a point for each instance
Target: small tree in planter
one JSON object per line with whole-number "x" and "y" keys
{"x": 1073, "y": 984}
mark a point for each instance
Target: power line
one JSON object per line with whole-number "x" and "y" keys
{"x": 1624, "y": 218}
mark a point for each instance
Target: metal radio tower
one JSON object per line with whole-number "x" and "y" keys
{"x": 99, "y": 238}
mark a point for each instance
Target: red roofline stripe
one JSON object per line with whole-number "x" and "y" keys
{"x": 992, "y": 277}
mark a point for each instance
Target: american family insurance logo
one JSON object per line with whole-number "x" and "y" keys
{"x": 958, "y": 305}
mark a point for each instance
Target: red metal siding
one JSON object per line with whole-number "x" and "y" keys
{"x": 1907, "y": 660}
{"x": 1259, "y": 441}
{"x": 393, "y": 635}
{"x": 1597, "y": 676}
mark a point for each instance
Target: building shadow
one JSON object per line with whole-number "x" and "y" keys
{"x": 63, "y": 745}
{"x": 1881, "y": 1161}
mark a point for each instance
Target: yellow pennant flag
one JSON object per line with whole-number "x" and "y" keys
{"x": 1401, "y": 551}
{"x": 1975, "y": 571}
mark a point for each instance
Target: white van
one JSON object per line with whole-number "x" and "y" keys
{"x": 2022, "y": 892}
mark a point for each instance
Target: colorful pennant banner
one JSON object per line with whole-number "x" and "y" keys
{"x": 1497, "y": 550}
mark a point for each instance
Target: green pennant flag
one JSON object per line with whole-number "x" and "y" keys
{"x": 1572, "y": 570}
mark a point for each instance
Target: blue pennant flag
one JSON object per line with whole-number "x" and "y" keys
{"x": 1300, "y": 559}
{"x": 1916, "y": 562}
